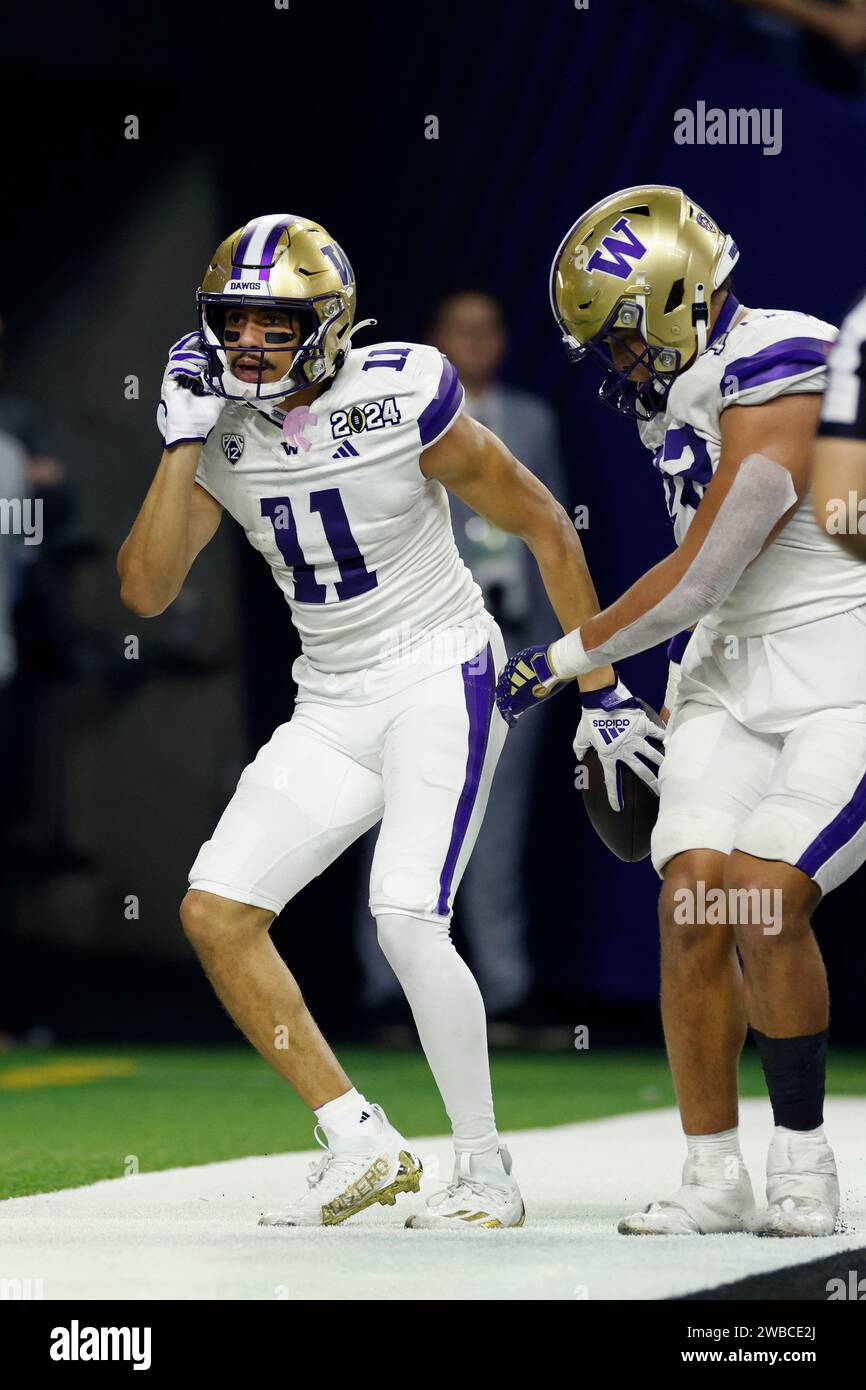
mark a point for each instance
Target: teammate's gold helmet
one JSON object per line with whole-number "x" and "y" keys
{"x": 291, "y": 263}
{"x": 645, "y": 261}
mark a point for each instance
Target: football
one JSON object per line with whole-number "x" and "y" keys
{"x": 627, "y": 832}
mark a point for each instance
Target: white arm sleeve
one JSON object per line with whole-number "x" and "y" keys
{"x": 760, "y": 495}
{"x": 675, "y": 672}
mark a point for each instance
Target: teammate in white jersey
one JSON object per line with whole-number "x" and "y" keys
{"x": 763, "y": 787}
{"x": 335, "y": 462}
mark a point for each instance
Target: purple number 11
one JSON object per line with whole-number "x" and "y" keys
{"x": 354, "y": 579}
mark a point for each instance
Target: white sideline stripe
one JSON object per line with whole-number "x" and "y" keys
{"x": 191, "y": 1233}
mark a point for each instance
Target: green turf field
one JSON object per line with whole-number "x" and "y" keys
{"x": 69, "y": 1117}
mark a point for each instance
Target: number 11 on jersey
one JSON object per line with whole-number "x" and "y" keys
{"x": 355, "y": 578}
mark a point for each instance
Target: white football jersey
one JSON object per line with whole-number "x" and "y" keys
{"x": 359, "y": 541}
{"x": 803, "y": 575}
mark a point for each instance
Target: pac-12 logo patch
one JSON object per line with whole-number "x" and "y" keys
{"x": 233, "y": 446}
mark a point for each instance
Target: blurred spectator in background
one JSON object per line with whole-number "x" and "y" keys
{"x": 46, "y": 637}
{"x": 841, "y": 22}
{"x": 12, "y": 485}
{"x": 822, "y": 40}
{"x": 468, "y": 326}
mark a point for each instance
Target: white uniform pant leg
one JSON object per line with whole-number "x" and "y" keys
{"x": 378, "y": 983}
{"x": 440, "y": 752}
{"x": 439, "y": 756}
{"x": 493, "y": 894}
{"x": 814, "y": 813}
{"x": 300, "y": 803}
{"x": 714, "y": 774}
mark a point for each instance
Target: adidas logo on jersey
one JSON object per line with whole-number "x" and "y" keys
{"x": 345, "y": 451}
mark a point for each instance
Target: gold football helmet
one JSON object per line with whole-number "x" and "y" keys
{"x": 644, "y": 261}
{"x": 287, "y": 262}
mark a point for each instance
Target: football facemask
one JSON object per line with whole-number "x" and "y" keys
{"x": 302, "y": 355}
{"x": 638, "y": 384}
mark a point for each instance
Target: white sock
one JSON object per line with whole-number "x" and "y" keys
{"x": 727, "y": 1141}
{"x": 341, "y": 1118}
{"x": 817, "y": 1134}
{"x": 449, "y": 1014}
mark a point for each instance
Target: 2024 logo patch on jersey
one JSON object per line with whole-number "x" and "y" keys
{"x": 372, "y": 415}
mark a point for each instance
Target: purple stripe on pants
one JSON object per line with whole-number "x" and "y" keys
{"x": 479, "y": 685}
{"x": 841, "y": 829}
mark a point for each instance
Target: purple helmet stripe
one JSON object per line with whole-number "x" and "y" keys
{"x": 243, "y": 245}
{"x": 791, "y": 357}
{"x": 436, "y": 416}
{"x": 834, "y": 836}
{"x": 270, "y": 246}
{"x": 479, "y": 686}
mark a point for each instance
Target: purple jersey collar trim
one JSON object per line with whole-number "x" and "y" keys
{"x": 727, "y": 314}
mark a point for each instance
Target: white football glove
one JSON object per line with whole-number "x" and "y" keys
{"x": 188, "y": 409}
{"x": 617, "y": 726}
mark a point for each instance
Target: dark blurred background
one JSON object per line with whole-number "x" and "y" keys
{"x": 122, "y": 739}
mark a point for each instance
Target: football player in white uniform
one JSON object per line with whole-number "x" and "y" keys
{"x": 335, "y": 461}
{"x": 839, "y": 486}
{"x": 763, "y": 787}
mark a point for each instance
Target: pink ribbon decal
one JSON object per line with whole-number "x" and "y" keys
{"x": 294, "y": 425}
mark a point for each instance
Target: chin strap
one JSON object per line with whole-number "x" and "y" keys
{"x": 701, "y": 317}
{"x": 365, "y": 323}
{"x": 272, "y": 410}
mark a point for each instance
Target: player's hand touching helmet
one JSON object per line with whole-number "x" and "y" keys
{"x": 188, "y": 409}
{"x": 623, "y": 734}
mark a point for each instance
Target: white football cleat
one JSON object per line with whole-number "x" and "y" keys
{"x": 716, "y": 1197}
{"x": 802, "y": 1187}
{"x": 352, "y": 1176}
{"x": 477, "y": 1196}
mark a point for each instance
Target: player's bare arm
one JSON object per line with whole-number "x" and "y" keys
{"x": 839, "y": 477}
{"x": 471, "y": 462}
{"x": 840, "y": 471}
{"x": 176, "y": 521}
{"x": 475, "y": 465}
{"x": 177, "y": 517}
{"x": 762, "y": 475}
